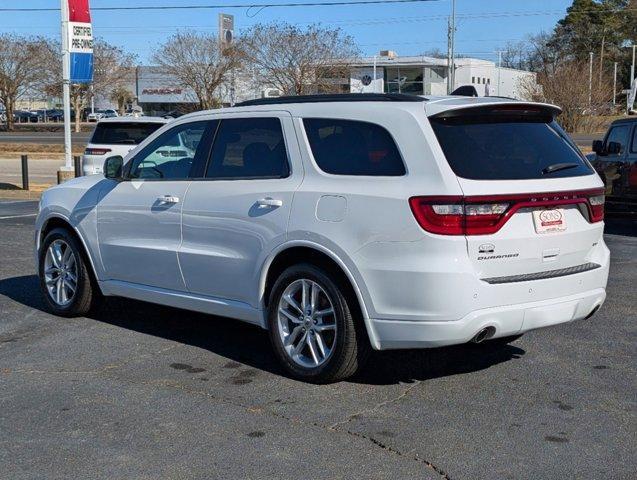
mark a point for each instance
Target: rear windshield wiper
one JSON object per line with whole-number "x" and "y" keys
{"x": 556, "y": 167}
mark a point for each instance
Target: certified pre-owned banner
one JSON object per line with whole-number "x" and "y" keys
{"x": 80, "y": 37}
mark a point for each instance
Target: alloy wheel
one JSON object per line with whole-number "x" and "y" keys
{"x": 307, "y": 323}
{"x": 60, "y": 272}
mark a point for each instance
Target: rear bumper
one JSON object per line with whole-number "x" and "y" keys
{"x": 507, "y": 320}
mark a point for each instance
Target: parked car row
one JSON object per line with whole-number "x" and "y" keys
{"x": 103, "y": 113}
{"x": 57, "y": 115}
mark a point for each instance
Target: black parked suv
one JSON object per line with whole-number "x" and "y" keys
{"x": 615, "y": 159}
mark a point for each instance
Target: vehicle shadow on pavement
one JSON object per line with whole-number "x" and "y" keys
{"x": 250, "y": 345}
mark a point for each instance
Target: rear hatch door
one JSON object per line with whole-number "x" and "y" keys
{"x": 539, "y": 197}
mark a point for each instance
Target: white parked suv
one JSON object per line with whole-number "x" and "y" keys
{"x": 116, "y": 136}
{"x": 341, "y": 223}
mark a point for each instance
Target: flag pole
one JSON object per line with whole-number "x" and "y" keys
{"x": 66, "y": 86}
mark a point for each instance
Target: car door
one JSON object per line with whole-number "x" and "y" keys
{"x": 139, "y": 218}
{"x": 237, "y": 212}
{"x": 612, "y": 168}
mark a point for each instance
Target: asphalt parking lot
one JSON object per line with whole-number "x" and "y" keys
{"x": 142, "y": 391}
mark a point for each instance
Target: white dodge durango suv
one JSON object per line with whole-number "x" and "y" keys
{"x": 341, "y": 224}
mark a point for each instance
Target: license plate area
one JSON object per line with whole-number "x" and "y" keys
{"x": 550, "y": 220}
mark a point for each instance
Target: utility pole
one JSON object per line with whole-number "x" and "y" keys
{"x": 632, "y": 86}
{"x": 375, "y": 63}
{"x": 451, "y": 67}
{"x": 499, "y": 69}
{"x": 590, "y": 80}
{"x": 615, "y": 84}
{"x": 66, "y": 85}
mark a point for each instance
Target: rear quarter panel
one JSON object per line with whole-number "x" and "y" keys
{"x": 374, "y": 211}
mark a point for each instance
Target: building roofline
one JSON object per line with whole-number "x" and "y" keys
{"x": 341, "y": 97}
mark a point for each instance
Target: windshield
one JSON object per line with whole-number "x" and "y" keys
{"x": 123, "y": 133}
{"x": 507, "y": 145}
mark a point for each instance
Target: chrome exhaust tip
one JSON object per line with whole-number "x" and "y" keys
{"x": 483, "y": 335}
{"x": 593, "y": 312}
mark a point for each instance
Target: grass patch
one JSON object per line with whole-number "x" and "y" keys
{"x": 26, "y": 148}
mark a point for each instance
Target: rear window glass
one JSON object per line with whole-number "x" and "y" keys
{"x": 348, "y": 147}
{"x": 512, "y": 146}
{"x": 122, "y": 133}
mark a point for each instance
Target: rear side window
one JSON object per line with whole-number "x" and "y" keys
{"x": 249, "y": 148}
{"x": 348, "y": 147}
{"x": 482, "y": 144}
{"x": 123, "y": 133}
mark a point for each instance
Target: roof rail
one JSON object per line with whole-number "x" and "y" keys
{"x": 341, "y": 97}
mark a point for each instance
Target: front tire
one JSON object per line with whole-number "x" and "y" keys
{"x": 311, "y": 327}
{"x": 64, "y": 277}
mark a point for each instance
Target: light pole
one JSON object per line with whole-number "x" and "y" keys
{"x": 451, "y": 29}
{"x": 66, "y": 85}
{"x": 590, "y": 80}
{"x": 632, "y": 68}
{"x": 375, "y": 61}
{"x": 615, "y": 84}
{"x": 499, "y": 69}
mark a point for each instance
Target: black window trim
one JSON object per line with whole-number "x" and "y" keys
{"x": 338, "y": 175}
{"x": 129, "y": 165}
{"x": 203, "y": 178}
{"x": 633, "y": 143}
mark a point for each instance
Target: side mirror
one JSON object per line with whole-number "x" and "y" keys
{"x": 113, "y": 167}
{"x": 613, "y": 148}
{"x": 598, "y": 147}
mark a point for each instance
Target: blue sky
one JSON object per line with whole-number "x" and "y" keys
{"x": 482, "y": 28}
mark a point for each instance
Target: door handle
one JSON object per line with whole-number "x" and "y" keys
{"x": 269, "y": 202}
{"x": 168, "y": 199}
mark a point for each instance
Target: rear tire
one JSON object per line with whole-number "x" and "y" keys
{"x": 313, "y": 334}
{"x": 65, "y": 280}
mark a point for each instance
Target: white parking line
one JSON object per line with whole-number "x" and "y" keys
{"x": 20, "y": 216}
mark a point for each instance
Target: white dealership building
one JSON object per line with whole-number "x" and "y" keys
{"x": 422, "y": 75}
{"x": 158, "y": 93}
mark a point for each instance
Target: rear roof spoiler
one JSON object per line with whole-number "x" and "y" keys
{"x": 503, "y": 107}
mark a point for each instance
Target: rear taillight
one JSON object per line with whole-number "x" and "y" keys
{"x": 96, "y": 151}
{"x": 596, "y": 203}
{"x": 483, "y": 215}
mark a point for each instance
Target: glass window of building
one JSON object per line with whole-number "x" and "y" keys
{"x": 404, "y": 80}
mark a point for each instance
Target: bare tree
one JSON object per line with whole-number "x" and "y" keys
{"x": 199, "y": 62}
{"x": 20, "y": 69}
{"x": 121, "y": 95}
{"x": 516, "y": 55}
{"x": 296, "y": 60}
{"x": 567, "y": 86}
